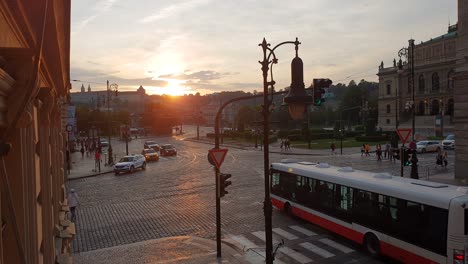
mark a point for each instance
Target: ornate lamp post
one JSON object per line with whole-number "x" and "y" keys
{"x": 110, "y": 88}
{"x": 296, "y": 100}
{"x": 408, "y": 55}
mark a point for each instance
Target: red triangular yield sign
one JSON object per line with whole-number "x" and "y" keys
{"x": 404, "y": 134}
{"x": 218, "y": 156}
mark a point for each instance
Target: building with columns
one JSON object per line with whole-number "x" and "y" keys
{"x": 461, "y": 93}
{"x": 434, "y": 69}
{"x": 34, "y": 94}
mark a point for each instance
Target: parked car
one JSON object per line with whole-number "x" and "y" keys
{"x": 427, "y": 146}
{"x": 168, "y": 150}
{"x": 151, "y": 145}
{"x": 130, "y": 164}
{"x": 150, "y": 154}
{"x": 449, "y": 142}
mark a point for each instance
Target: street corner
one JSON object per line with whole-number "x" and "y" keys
{"x": 180, "y": 249}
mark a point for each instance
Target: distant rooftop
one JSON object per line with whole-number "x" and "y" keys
{"x": 451, "y": 33}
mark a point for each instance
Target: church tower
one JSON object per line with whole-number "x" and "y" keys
{"x": 89, "y": 88}
{"x": 82, "y": 88}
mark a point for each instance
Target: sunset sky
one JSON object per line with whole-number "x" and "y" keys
{"x": 180, "y": 47}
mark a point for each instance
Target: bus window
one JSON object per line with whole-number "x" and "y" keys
{"x": 275, "y": 183}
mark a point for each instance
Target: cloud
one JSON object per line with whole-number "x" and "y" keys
{"x": 171, "y": 10}
{"x": 200, "y": 76}
{"x": 99, "y": 8}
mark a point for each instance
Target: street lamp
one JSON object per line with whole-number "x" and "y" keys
{"x": 110, "y": 88}
{"x": 297, "y": 100}
{"x": 408, "y": 55}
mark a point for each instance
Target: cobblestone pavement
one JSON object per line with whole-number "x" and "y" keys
{"x": 175, "y": 197}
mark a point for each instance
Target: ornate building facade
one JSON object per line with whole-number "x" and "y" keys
{"x": 434, "y": 69}
{"x": 34, "y": 89}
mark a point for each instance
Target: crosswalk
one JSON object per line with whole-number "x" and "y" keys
{"x": 300, "y": 245}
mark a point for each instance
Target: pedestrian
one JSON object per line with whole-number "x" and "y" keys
{"x": 288, "y": 144}
{"x": 412, "y": 146}
{"x": 444, "y": 159}
{"x": 367, "y": 147}
{"x": 82, "y": 152}
{"x": 73, "y": 202}
{"x": 439, "y": 158}
{"x": 363, "y": 149}
{"x": 333, "y": 147}
{"x": 281, "y": 145}
{"x": 378, "y": 152}
{"x": 97, "y": 161}
{"x": 387, "y": 150}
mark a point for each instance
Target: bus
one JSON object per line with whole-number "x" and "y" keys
{"x": 413, "y": 221}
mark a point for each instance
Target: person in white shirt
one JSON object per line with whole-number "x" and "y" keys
{"x": 73, "y": 202}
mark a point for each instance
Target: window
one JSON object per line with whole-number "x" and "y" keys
{"x": 388, "y": 121}
{"x": 388, "y": 109}
{"x": 421, "y": 84}
{"x": 421, "y": 108}
{"x": 435, "y": 82}
{"x": 389, "y": 89}
{"x": 435, "y": 107}
{"x": 450, "y": 107}
{"x": 450, "y": 82}
{"x": 409, "y": 85}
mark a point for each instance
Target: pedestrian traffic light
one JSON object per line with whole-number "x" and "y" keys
{"x": 319, "y": 90}
{"x": 406, "y": 159}
{"x": 224, "y": 183}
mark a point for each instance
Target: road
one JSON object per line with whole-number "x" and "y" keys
{"x": 176, "y": 196}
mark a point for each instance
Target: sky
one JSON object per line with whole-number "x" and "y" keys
{"x": 183, "y": 47}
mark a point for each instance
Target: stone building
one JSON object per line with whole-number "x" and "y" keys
{"x": 461, "y": 93}
{"x": 434, "y": 69}
{"x": 34, "y": 89}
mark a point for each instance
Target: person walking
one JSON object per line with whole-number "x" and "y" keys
{"x": 281, "y": 145}
{"x": 73, "y": 202}
{"x": 363, "y": 149}
{"x": 367, "y": 147}
{"x": 387, "y": 150}
{"x": 97, "y": 161}
{"x": 333, "y": 147}
{"x": 378, "y": 152}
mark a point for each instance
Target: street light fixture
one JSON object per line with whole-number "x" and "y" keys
{"x": 297, "y": 100}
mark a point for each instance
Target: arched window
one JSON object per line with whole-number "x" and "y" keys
{"x": 389, "y": 89}
{"x": 421, "y": 84}
{"x": 435, "y": 107}
{"x": 388, "y": 109}
{"x": 435, "y": 82}
{"x": 450, "y": 80}
{"x": 450, "y": 105}
{"x": 421, "y": 108}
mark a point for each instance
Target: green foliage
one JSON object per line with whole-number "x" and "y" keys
{"x": 244, "y": 117}
{"x": 372, "y": 138}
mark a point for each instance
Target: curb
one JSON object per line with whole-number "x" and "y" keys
{"x": 90, "y": 175}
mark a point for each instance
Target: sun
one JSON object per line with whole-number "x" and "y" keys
{"x": 175, "y": 88}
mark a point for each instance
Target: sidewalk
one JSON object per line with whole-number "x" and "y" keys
{"x": 182, "y": 249}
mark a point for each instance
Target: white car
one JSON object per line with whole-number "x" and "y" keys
{"x": 130, "y": 163}
{"x": 449, "y": 142}
{"x": 427, "y": 146}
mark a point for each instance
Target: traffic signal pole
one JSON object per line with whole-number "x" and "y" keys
{"x": 402, "y": 159}
{"x": 218, "y": 213}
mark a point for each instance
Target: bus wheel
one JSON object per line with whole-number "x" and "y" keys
{"x": 372, "y": 244}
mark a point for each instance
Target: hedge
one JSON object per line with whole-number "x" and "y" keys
{"x": 372, "y": 138}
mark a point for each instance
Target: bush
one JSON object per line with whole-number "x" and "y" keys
{"x": 372, "y": 138}
{"x": 435, "y": 138}
{"x": 360, "y": 128}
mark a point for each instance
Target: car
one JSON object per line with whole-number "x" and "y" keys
{"x": 150, "y": 154}
{"x": 427, "y": 146}
{"x": 449, "y": 142}
{"x": 168, "y": 150}
{"x": 104, "y": 143}
{"x": 130, "y": 164}
{"x": 151, "y": 145}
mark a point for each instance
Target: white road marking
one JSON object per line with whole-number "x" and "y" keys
{"x": 303, "y": 230}
{"x": 295, "y": 255}
{"x": 284, "y": 234}
{"x": 244, "y": 241}
{"x": 261, "y": 235}
{"x": 319, "y": 251}
{"x": 336, "y": 245}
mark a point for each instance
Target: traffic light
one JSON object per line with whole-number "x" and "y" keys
{"x": 319, "y": 90}
{"x": 224, "y": 183}
{"x": 406, "y": 159}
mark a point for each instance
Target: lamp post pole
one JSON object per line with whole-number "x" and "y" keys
{"x": 110, "y": 161}
{"x": 413, "y": 108}
{"x": 341, "y": 126}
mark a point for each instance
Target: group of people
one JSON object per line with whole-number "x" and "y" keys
{"x": 88, "y": 146}
{"x": 286, "y": 144}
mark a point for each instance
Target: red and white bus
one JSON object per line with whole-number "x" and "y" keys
{"x": 413, "y": 221}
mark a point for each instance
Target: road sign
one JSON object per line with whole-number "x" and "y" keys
{"x": 404, "y": 134}
{"x": 217, "y": 156}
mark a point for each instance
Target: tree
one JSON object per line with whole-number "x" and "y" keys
{"x": 244, "y": 117}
